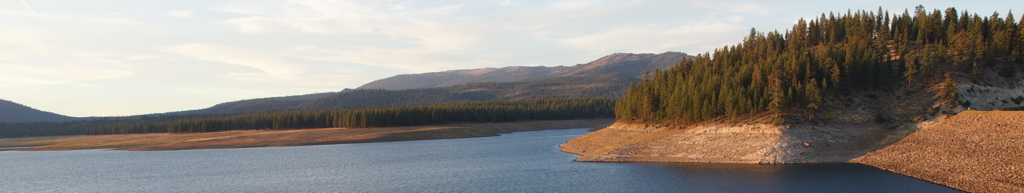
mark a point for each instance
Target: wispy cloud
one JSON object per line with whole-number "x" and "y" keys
{"x": 272, "y": 66}
{"x": 76, "y": 73}
{"x": 184, "y": 14}
{"x": 654, "y": 39}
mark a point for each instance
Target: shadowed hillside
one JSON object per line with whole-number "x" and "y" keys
{"x": 606, "y": 86}
{"x": 605, "y": 77}
{"x": 17, "y": 113}
{"x": 631, "y": 65}
{"x": 260, "y": 104}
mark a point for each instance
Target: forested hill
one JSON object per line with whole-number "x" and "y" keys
{"x": 260, "y": 104}
{"x": 605, "y": 86}
{"x": 17, "y": 113}
{"x": 608, "y": 86}
{"x": 837, "y": 61}
{"x": 630, "y": 65}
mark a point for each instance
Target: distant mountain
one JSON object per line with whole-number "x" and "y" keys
{"x": 605, "y": 77}
{"x": 260, "y": 104}
{"x": 607, "y": 86}
{"x": 17, "y": 113}
{"x": 631, "y": 65}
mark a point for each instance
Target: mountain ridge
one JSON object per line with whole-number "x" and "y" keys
{"x": 629, "y": 64}
{"x": 17, "y": 113}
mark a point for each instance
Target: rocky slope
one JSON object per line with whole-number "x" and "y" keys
{"x": 750, "y": 142}
{"x": 973, "y": 151}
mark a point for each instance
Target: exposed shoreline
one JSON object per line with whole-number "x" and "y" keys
{"x": 298, "y": 137}
{"x": 973, "y": 151}
{"x": 757, "y": 143}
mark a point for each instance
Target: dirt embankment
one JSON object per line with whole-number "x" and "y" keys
{"x": 973, "y": 151}
{"x": 763, "y": 143}
{"x": 272, "y": 138}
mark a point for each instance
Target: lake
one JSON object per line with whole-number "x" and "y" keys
{"x": 513, "y": 162}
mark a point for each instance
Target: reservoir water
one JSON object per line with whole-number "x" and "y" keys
{"x": 513, "y": 162}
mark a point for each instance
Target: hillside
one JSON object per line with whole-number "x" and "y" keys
{"x": 630, "y": 65}
{"x": 260, "y": 104}
{"x": 527, "y": 82}
{"x": 16, "y": 113}
{"x": 827, "y": 90}
{"x": 605, "y": 86}
{"x": 973, "y": 151}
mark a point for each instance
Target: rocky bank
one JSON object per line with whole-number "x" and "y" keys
{"x": 974, "y": 151}
{"x": 763, "y": 143}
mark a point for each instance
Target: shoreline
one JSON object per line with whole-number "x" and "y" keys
{"x": 974, "y": 151}
{"x": 747, "y": 143}
{"x": 297, "y": 137}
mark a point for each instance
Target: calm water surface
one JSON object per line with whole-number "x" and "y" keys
{"x": 513, "y": 162}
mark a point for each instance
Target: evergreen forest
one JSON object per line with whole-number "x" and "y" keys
{"x": 30, "y": 129}
{"x": 486, "y": 111}
{"x": 780, "y": 72}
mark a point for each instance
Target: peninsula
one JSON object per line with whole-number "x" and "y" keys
{"x": 893, "y": 91}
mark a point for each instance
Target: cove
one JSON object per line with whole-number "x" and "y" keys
{"x": 512, "y": 162}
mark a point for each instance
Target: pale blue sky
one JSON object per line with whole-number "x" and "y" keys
{"x": 127, "y": 57}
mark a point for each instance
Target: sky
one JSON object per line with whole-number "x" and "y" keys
{"x": 128, "y": 57}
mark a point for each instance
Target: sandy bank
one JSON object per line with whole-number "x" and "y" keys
{"x": 734, "y": 143}
{"x": 973, "y": 151}
{"x": 272, "y": 138}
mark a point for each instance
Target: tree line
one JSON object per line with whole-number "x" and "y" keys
{"x": 30, "y": 129}
{"x": 485, "y": 111}
{"x": 798, "y": 68}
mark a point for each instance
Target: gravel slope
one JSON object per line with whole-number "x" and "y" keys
{"x": 973, "y": 151}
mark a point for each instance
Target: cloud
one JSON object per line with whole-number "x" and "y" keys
{"x": 654, "y": 39}
{"x": 273, "y": 66}
{"x": 431, "y": 27}
{"x": 745, "y": 7}
{"x": 23, "y": 43}
{"x": 267, "y": 62}
{"x": 324, "y": 17}
{"x": 184, "y": 14}
{"x": 74, "y": 73}
{"x": 28, "y": 57}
